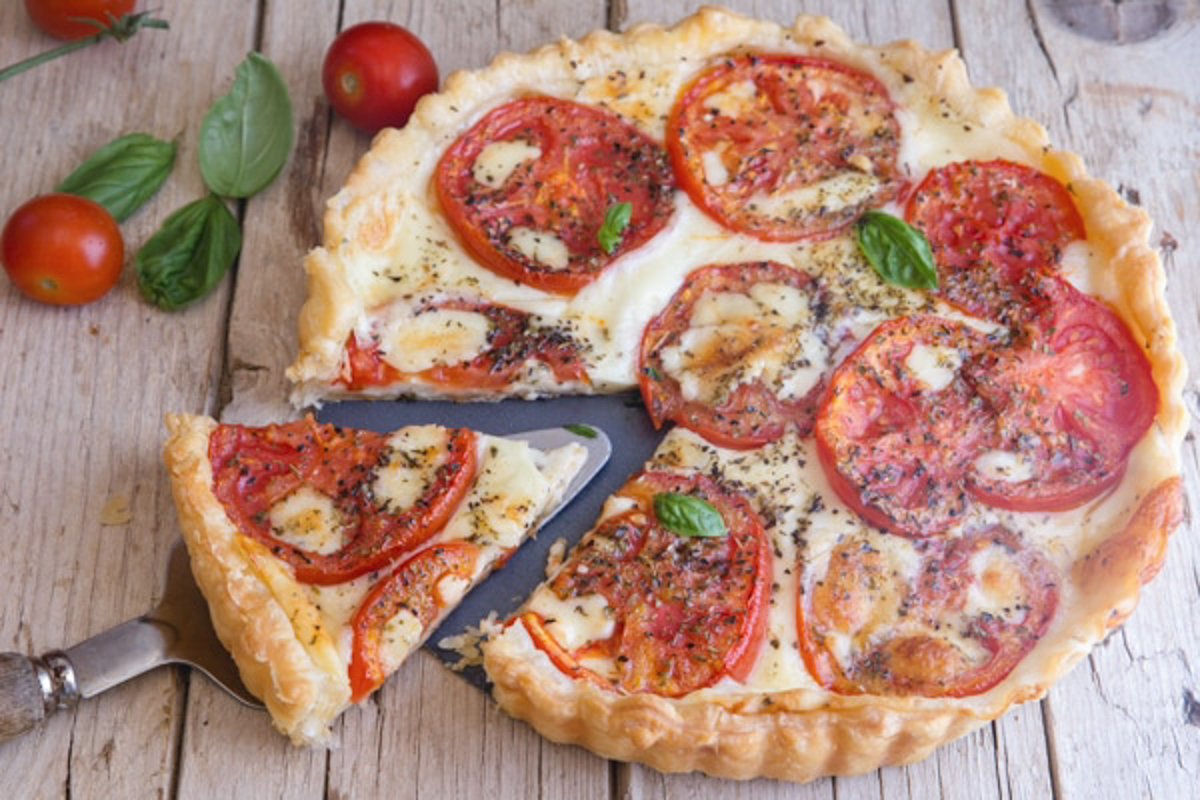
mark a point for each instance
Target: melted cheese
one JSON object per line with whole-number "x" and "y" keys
{"x": 735, "y": 338}
{"x": 433, "y": 338}
{"x": 498, "y": 160}
{"x": 416, "y": 453}
{"x": 1001, "y": 465}
{"x": 831, "y": 195}
{"x": 936, "y": 367}
{"x": 540, "y": 246}
{"x": 307, "y": 519}
{"x": 576, "y": 621}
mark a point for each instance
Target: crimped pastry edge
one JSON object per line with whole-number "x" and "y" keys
{"x": 302, "y": 686}
{"x": 803, "y": 734}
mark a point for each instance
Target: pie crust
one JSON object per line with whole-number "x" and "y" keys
{"x": 288, "y": 652}
{"x": 796, "y": 734}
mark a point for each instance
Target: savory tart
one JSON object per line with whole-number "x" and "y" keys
{"x": 921, "y": 376}
{"x": 327, "y": 555}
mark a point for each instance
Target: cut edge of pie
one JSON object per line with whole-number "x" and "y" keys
{"x": 280, "y": 641}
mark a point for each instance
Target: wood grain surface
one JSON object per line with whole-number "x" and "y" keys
{"x": 84, "y": 391}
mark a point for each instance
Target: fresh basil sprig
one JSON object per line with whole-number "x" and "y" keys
{"x": 688, "y": 515}
{"x": 616, "y": 220}
{"x": 246, "y": 135}
{"x": 189, "y": 254}
{"x": 245, "y": 140}
{"x": 124, "y": 174}
{"x": 899, "y": 252}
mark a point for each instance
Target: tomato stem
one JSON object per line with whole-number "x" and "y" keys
{"x": 120, "y": 28}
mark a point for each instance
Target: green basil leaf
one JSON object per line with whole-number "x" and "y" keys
{"x": 899, "y": 252}
{"x": 189, "y": 254}
{"x": 586, "y": 431}
{"x": 124, "y": 174}
{"x": 246, "y": 135}
{"x": 616, "y": 220}
{"x": 688, "y": 515}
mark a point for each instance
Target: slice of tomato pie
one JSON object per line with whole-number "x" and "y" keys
{"x": 327, "y": 555}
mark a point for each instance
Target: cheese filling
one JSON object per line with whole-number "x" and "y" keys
{"x": 539, "y": 246}
{"x": 438, "y": 337}
{"x": 308, "y": 520}
{"x": 499, "y": 160}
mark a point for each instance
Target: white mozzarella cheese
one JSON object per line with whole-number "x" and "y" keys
{"x": 433, "y": 338}
{"x": 936, "y": 367}
{"x": 576, "y": 621}
{"x": 715, "y": 172}
{"x": 1002, "y": 465}
{"x": 831, "y": 195}
{"x": 401, "y": 634}
{"x": 307, "y": 519}
{"x": 498, "y": 160}
{"x": 733, "y": 99}
{"x": 544, "y": 248}
{"x": 415, "y": 455}
{"x": 507, "y": 497}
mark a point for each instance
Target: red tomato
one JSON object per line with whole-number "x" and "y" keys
{"x": 991, "y": 225}
{"x": 514, "y": 342}
{"x": 62, "y": 249}
{"x": 255, "y": 468}
{"x": 688, "y": 610}
{"x": 66, "y": 19}
{"x": 1071, "y": 401}
{"x": 897, "y": 627}
{"x": 739, "y": 413}
{"x": 411, "y": 587}
{"x": 374, "y": 74}
{"x": 758, "y": 126}
{"x": 895, "y": 448}
{"x": 587, "y": 160}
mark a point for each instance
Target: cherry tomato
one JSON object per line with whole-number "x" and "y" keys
{"x": 993, "y": 225}
{"x": 583, "y": 161}
{"x": 741, "y": 361}
{"x": 412, "y": 588}
{"x": 923, "y": 635}
{"x": 66, "y": 19}
{"x": 62, "y": 249}
{"x": 255, "y": 468}
{"x": 687, "y": 610}
{"x": 755, "y": 138}
{"x": 374, "y": 74}
{"x": 514, "y": 342}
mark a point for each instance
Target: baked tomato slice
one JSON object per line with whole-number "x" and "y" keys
{"x": 500, "y": 342}
{"x": 676, "y": 612}
{"x": 952, "y": 626}
{"x": 398, "y": 611}
{"x": 990, "y": 225}
{"x": 282, "y": 483}
{"x": 529, "y": 187}
{"x": 1071, "y": 400}
{"x": 900, "y": 425}
{"x": 738, "y": 354}
{"x": 785, "y": 147}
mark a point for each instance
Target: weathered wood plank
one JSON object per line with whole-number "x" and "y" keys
{"x": 1119, "y": 723}
{"x": 88, "y": 514}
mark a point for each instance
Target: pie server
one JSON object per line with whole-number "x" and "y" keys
{"x": 179, "y": 630}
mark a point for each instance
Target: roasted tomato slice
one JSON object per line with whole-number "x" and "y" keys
{"x": 398, "y": 610}
{"x": 679, "y": 612}
{"x": 990, "y": 224}
{"x": 257, "y": 470}
{"x": 785, "y": 147}
{"x": 1071, "y": 400}
{"x": 737, "y": 354}
{"x": 511, "y": 341}
{"x": 528, "y": 188}
{"x": 899, "y": 425}
{"x": 953, "y": 626}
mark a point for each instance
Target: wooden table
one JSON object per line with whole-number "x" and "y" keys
{"x": 87, "y": 515}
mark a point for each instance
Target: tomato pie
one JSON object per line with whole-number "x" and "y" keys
{"x": 918, "y": 374}
{"x": 327, "y": 555}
